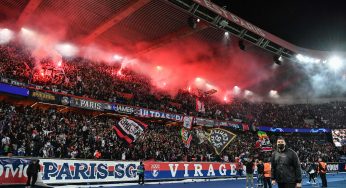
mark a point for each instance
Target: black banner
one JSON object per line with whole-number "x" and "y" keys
{"x": 220, "y": 138}
{"x": 43, "y": 96}
{"x": 88, "y": 104}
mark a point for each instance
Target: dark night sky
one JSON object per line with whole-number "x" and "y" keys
{"x": 315, "y": 24}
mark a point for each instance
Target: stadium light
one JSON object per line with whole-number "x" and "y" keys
{"x": 278, "y": 59}
{"x": 335, "y": 63}
{"x": 6, "y": 35}
{"x": 307, "y": 59}
{"x": 192, "y": 22}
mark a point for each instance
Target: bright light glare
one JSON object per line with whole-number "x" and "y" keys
{"x": 67, "y": 50}
{"x": 158, "y": 68}
{"x": 226, "y": 33}
{"x": 248, "y": 93}
{"x": 117, "y": 57}
{"x": 236, "y": 90}
{"x": 307, "y": 59}
{"x": 335, "y": 63}
{"x": 198, "y": 79}
{"x": 273, "y": 94}
{"x": 5, "y": 36}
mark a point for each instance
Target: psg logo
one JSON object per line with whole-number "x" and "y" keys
{"x": 155, "y": 169}
{"x": 65, "y": 100}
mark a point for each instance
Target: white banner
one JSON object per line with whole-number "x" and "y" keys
{"x": 81, "y": 171}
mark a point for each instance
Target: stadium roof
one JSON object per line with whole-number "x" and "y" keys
{"x": 135, "y": 24}
{"x": 311, "y": 24}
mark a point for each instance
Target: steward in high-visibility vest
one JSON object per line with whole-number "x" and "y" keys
{"x": 322, "y": 170}
{"x": 267, "y": 174}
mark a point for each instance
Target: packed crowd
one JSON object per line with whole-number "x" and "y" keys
{"x": 27, "y": 131}
{"x": 113, "y": 83}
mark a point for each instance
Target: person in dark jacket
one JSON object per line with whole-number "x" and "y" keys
{"x": 260, "y": 171}
{"x": 312, "y": 171}
{"x": 285, "y": 166}
{"x": 32, "y": 172}
{"x": 140, "y": 172}
{"x": 249, "y": 164}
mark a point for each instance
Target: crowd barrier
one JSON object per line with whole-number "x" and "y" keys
{"x": 59, "y": 171}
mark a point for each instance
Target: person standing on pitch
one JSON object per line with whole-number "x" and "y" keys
{"x": 249, "y": 164}
{"x": 32, "y": 172}
{"x": 140, "y": 172}
{"x": 260, "y": 172}
{"x": 285, "y": 166}
{"x": 267, "y": 174}
{"x": 322, "y": 170}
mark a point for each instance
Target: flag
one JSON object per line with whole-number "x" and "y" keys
{"x": 264, "y": 141}
{"x": 129, "y": 129}
{"x": 186, "y": 137}
{"x": 187, "y": 122}
{"x": 200, "y": 135}
{"x": 200, "y": 106}
{"x": 245, "y": 127}
{"x": 220, "y": 139}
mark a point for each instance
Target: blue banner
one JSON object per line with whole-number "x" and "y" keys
{"x": 293, "y": 130}
{"x": 14, "y": 90}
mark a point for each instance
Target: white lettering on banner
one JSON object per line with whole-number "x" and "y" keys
{"x": 198, "y": 170}
{"x": 211, "y": 171}
{"x": 21, "y": 170}
{"x": 186, "y": 174}
{"x": 332, "y": 167}
{"x": 68, "y": 171}
{"x": 90, "y": 104}
{"x": 173, "y": 171}
{"x": 222, "y": 170}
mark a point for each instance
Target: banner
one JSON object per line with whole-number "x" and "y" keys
{"x": 64, "y": 171}
{"x": 13, "y": 171}
{"x": 187, "y": 170}
{"x": 293, "y": 130}
{"x": 220, "y": 138}
{"x": 187, "y": 122}
{"x": 88, "y": 104}
{"x": 186, "y": 137}
{"x": 124, "y": 109}
{"x": 200, "y": 106}
{"x": 82, "y": 171}
{"x": 129, "y": 129}
{"x": 264, "y": 141}
{"x": 43, "y": 96}
{"x": 200, "y": 135}
{"x": 339, "y": 137}
{"x": 157, "y": 114}
{"x": 14, "y": 90}
{"x": 204, "y": 122}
